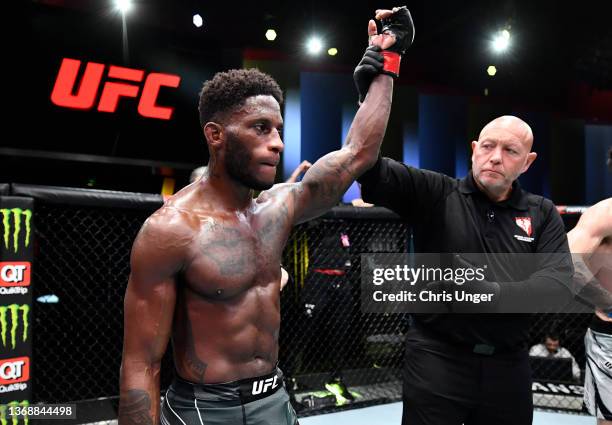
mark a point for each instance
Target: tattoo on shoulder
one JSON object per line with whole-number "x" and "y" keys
{"x": 134, "y": 408}
{"x": 275, "y": 224}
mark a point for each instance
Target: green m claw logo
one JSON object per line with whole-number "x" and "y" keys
{"x": 14, "y": 309}
{"x": 16, "y": 216}
{"x": 4, "y": 413}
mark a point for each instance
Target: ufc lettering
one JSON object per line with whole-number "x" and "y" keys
{"x": 84, "y": 96}
{"x": 262, "y": 386}
{"x": 14, "y": 370}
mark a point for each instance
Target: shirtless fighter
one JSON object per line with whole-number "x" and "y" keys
{"x": 205, "y": 267}
{"x": 591, "y": 245}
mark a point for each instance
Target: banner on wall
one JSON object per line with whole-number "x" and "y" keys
{"x": 16, "y": 253}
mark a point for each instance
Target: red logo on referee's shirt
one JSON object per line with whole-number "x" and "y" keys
{"x": 524, "y": 223}
{"x": 13, "y": 371}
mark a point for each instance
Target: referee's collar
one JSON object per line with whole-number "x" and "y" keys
{"x": 517, "y": 200}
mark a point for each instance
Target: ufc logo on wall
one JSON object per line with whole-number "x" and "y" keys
{"x": 64, "y": 93}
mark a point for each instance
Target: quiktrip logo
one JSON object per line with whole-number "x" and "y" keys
{"x": 17, "y": 228}
{"x": 85, "y": 96}
{"x": 14, "y": 277}
{"x": 14, "y": 322}
{"x": 16, "y": 273}
{"x": 14, "y": 371}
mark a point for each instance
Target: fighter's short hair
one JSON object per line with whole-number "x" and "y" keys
{"x": 227, "y": 90}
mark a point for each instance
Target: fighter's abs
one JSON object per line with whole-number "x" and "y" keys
{"x": 227, "y": 314}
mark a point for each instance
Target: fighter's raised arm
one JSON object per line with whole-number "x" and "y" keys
{"x": 325, "y": 182}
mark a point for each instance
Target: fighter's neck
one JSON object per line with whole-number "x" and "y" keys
{"x": 226, "y": 193}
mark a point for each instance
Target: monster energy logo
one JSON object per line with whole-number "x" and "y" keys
{"x": 14, "y": 309}
{"x": 16, "y": 214}
{"x": 4, "y": 413}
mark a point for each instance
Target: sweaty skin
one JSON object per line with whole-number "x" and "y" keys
{"x": 592, "y": 238}
{"x": 205, "y": 267}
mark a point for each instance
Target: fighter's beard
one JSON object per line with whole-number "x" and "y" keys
{"x": 237, "y": 161}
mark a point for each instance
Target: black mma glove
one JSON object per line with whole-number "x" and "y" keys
{"x": 369, "y": 67}
{"x": 401, "y": 26}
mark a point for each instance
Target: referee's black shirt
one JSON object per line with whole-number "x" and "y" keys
{"x": 452, "y": 215}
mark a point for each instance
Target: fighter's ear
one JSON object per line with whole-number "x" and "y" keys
{"x": 213, "y": 133}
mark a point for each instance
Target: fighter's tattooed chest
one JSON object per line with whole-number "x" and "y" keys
{"x": 227, "y": 250}
{"x": 228, "y": 259}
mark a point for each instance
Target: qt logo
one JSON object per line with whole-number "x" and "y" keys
{"x": 14, "y": 370}
{"x": 15, "y": 273}
{"x": 64, "y": 93}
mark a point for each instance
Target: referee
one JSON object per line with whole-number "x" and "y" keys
{"x": 473, "y": 369}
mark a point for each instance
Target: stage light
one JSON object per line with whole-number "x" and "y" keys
{"x": 124, "y": 6}
{"x": 270, "y": 35}
{"x": 197, "y": 20}
{"x": 501, "y": 41}
{"x": 314, "y": 45}
{"x": 491, "y": 70}
{"x": 332, "y": 52}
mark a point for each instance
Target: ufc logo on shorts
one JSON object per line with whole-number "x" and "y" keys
{"x": 14, "y": 370}
{"x": 15, "y": 273}
{"x": 263, "y": 385}
{"x": 86, "y": 92}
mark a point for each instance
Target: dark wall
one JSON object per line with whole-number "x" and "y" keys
{"x": 99, "y": 38}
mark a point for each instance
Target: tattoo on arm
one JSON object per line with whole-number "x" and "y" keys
{"x": 134, "y": 408}
{"x": 331, "y": 175}
{"x": 325, "y": 182}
